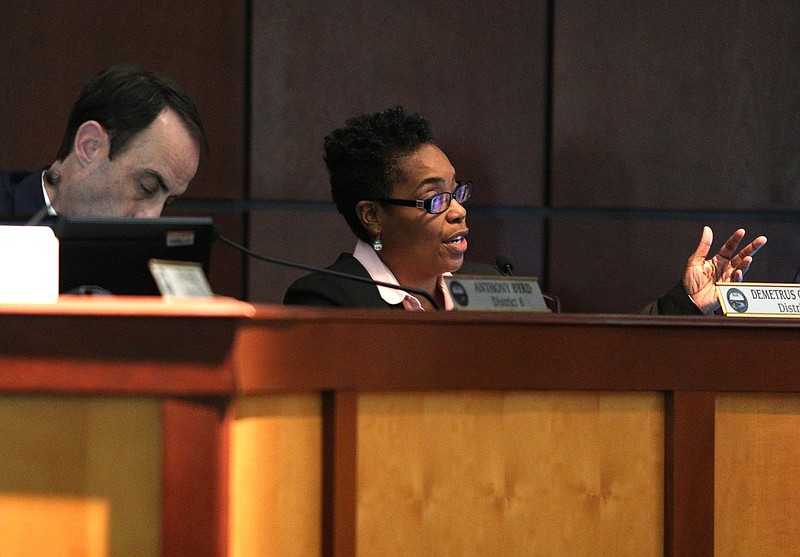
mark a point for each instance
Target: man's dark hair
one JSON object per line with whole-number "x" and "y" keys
{"x": 363, "y": 158}
{"x": 125, "y": 100}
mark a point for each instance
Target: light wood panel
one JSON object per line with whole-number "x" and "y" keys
{"x": 275, "y": 471}
{"x": 510, "y": 474}
{"x": 757, "y": 487}
{"x": 80, "y": 475}
{"x": 56, "y": 526}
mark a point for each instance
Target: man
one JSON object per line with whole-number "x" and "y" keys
{"x": 133, "y": 142}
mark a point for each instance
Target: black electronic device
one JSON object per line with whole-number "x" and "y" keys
{"x": 111, "y": 255}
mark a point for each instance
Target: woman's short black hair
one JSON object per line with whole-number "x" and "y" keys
{"x": 363, "y": 158}
{"x": 125, "y": 100}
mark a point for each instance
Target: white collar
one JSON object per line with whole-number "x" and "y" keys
{"x": 50, "y": 210}
{"x": 378, "y": 271}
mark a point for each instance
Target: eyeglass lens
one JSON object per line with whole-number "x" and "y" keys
{"x": 440, "y": 202}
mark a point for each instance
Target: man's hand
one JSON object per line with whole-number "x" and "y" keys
{"x": 701, "y": 275}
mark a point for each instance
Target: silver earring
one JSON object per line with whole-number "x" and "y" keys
{"x": 377, "y": 245}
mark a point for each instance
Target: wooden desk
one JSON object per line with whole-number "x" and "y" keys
{"x": 664, "y": 406}
{"x": 283, "y": 431}
{"x": 89, "y": 385}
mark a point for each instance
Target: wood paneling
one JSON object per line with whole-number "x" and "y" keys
{"x": 502, "y": 412}
{"x": 481, "y": 473}
{"x": 151, "y": 440}
{"x": 478, "y": 74}
{"x": 452, "y": 450}
{"x": 689, "y": 474}
{"x": 86, "y": 473}
{"x": 195, "y": 469}
{"x": 757, "y": 492}
{"x": 275, "y": 471}
{"x": 691, "y": 105}
{"x": 677, "y": 104}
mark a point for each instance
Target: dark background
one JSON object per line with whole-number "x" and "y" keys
{"x": 600, "y": 136}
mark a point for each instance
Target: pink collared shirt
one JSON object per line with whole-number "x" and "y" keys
{"x": 378, "y": 270}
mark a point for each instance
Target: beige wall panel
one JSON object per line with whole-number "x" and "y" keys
{"x": 757, "y": 485}
{"x": 88, "y": 468}
{"x": 510, "y": 474}
{"x": 276, "y": 482}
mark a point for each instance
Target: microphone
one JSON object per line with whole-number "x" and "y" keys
{"x": 37, "y": 217}
{"x": 218, "y": 235}
{"x": 505, "y": 264}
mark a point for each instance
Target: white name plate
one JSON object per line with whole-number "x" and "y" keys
{"x": 751, "y": 299}
{"x": 180, "y": 279}
{"x": 473, "y": 292}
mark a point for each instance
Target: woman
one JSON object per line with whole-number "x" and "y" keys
{"x": 399, "y": 194}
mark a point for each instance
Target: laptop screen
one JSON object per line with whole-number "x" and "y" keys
{"x": 111, "y": 255}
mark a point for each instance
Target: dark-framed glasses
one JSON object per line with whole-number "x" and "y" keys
{"x": 437, "y": 204}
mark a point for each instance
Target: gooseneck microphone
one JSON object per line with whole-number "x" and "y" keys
{"x": 330, "y": 272}
{"x": 505, "y": 264}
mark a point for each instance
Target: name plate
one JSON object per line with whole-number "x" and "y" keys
{"x": 180, "y": 279}
{"x": 496, "y": 293}
{"x": 751, "y": 299}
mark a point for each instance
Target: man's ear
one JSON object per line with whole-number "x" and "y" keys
{"x": 92, "y": 143}
{"x": 369, "y": 214}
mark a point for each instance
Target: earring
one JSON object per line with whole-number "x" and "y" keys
{"x": 377, "y": 245}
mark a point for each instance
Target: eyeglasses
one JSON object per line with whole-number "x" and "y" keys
{"x": 437, "y": 204}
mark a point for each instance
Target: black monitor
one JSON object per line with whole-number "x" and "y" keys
{"x": 111, "y": 255}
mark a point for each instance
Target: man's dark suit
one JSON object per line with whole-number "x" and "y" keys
{"x": 674, "y": 302}
{"x": 20, "y": 193}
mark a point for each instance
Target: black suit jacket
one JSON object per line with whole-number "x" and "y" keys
{"x": 674, "y": 302}
{"x": 20, "y": 193}
{"x": 319, "y": 289}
